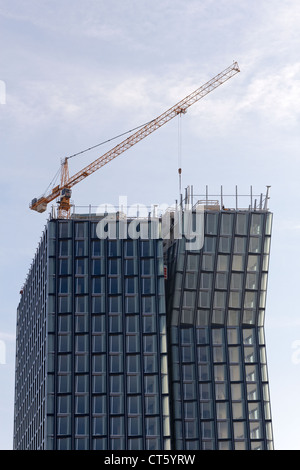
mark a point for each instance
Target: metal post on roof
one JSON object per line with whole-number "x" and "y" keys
{"x": 222, "y": 197}
{"x": 267, "y": 197}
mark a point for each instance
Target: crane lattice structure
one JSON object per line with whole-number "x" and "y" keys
{"x": 63, "y": 191}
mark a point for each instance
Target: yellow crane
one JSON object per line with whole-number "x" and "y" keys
{"x": 63, "y": 191}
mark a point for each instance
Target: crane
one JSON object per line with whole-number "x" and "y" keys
{"x": 63, "y": 191}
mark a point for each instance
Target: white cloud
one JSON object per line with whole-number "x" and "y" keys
{"x": 89, "y": 101}
{"x": 277, "y": 323}
{"x": 92, "y": 18}
{"x": 270, "y": 97}
{"x": 74, "y": 92}
{"x": 287, "y": 225}
{"x": 275, "y": 95}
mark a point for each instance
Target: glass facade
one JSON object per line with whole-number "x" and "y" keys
{"x": 215, "y": 308}
{"x": 105, "y": 384}
{"x": 31, "y": 356}
{"x": 112, "y": 354}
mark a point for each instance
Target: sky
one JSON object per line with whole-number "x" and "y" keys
{"x": 76, "y": 73}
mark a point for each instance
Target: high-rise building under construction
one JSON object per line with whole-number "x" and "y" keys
{"x": 131, "y": 339}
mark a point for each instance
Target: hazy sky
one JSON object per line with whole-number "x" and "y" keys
{"x": 75, "y": 73}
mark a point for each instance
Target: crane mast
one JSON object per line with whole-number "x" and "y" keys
{"x": 63, "y": 191}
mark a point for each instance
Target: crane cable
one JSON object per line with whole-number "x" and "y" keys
{"x": 54, "y": 179}
{"x": 109, "y": 140}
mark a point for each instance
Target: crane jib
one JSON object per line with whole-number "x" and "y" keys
{"x": 181, "y": 107}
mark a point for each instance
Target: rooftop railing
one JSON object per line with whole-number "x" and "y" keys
{"x": 213, "y": 202}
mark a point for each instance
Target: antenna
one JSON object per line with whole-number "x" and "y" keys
{"x": 267, "y": 198}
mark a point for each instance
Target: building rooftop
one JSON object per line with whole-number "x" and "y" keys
{"x": 190, "y": 200}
